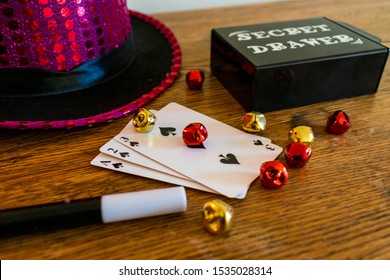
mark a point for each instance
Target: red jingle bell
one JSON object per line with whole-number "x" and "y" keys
{"x": 194, "y": 134}
{"x": 273, "y": 174}
{"x": 338, "y": 122}
{"x": 297, "y": 154}
{"x": 195, "y": 79}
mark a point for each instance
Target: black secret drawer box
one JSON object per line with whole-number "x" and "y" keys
{"x": 281, "y": 65}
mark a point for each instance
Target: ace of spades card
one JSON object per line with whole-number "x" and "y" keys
{"x": 227, "y": 162}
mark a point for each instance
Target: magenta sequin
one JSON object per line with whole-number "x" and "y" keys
{"x": 59, "y": 34}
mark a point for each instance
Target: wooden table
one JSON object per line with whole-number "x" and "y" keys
{"x": 337, "y": 207}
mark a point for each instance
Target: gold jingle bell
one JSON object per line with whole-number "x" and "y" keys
{"x": 302, "y": 134}
{"x": 144, "y": 120}
{"x": 253, "y": 122}
{"x": 217, "y": 216}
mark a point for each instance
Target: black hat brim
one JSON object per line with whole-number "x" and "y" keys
{"x": 155, "y": 66}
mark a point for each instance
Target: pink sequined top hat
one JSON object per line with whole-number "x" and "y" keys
{"x": 71, "y": 63}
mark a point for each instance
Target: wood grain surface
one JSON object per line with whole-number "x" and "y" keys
{"x": 337, "y": 207}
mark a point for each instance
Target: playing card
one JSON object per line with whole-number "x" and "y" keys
{"x": 116, "y": 164}
{"x": 116, "y": 150}
{"x": 228, "y": 161}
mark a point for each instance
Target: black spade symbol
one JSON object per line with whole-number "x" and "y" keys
{"x": 117, "y": 165}
{"x": 200, "y": 146}
{"x": 229, "y": 159}
{"x": 166, "y": 131}
{"x": 257, "y": 142}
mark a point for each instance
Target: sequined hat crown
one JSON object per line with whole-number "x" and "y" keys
{"x": 66, "y": 63}
{"x": 58, "y": 35}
